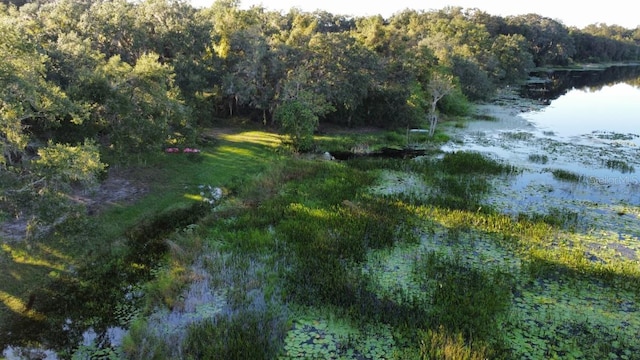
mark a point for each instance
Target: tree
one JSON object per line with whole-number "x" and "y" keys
{"x": 439, "y": 86}
{"x": 514, "y": 59}
{"x": 549, "y": 40}
{"x": 343, "y": 71}
{"x": 141, "y": 108}
{"x": 64, "y": 163}
{"x": 29, "y": 104}
{"x": 298, "y": 123}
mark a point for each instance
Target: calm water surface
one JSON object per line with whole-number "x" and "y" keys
{"x": 610, "y": 109}
{"x": 590, "y": 127}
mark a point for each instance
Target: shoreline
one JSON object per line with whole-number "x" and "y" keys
{"x": 601, "y": 200}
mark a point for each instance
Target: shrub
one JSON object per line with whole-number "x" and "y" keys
{"x": 298, "y": 122}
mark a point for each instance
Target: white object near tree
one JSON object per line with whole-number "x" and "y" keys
{"x": 439, "y": 86}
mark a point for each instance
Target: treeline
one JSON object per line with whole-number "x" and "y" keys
{"x": 111, "y": 78}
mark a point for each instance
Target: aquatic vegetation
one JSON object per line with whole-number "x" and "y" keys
{"x": 609, "y": 135}
{"x": 484, "y": 117}
{"x": 565, "y": 317}
{"x": 619, "y": 165}
{"x": 538, "y": 158}
{"x": 518, "y": 135}
{"x": 442, "y": 255}
{"x": 329, "y": 338}
{"x": 566, "y": 175}
{"x": 465, "y": 162}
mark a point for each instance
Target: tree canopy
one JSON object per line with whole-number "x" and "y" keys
{"x": 131, "y": 77}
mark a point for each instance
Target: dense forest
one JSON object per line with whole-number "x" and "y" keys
{"x": 98, "y": 80}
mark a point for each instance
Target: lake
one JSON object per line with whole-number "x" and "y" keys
{"x": 588, "y": 112}
{"x": 573, "y": 135}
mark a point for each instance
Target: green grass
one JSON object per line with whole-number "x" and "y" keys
{"x": 312, "y": 261}
{"x": 88, "y": 260}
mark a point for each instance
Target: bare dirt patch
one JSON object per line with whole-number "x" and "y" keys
{"x": 121, "y": 187}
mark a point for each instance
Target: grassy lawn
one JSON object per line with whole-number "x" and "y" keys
{"x": 91, "y": 248}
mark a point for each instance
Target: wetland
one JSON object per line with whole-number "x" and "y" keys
{"x": 516, "y": 238}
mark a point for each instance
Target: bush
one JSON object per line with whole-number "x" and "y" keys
{"x": 298, "y": 122}
{"x": 68, "y": 163}
{"x": 455, "y": 104}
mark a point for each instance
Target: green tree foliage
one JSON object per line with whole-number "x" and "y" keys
{"x": 133, "y": 75}
{"x": 142, "y": 106}
{"x": 601, "y": 42}
{"x": 515, "y": 61}
{"x": 63, "y": 163}
{"x": 28, "y": 102}
{"x": 90, "y": 80}
{"x": 298, "y": 123}
{"x": 549, "y": 40}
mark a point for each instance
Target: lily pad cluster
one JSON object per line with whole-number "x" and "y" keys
{"x": 566, "y": 318}
{"x": 319, "y": 338}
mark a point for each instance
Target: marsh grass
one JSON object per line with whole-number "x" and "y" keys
{"x": 465, "y": 300}
{"x": 520, "y": 135}
{"x": 298, "y": 233}
{"x": 560, "y": 218}
{"x": 565, "y": 175}
{"x": 320, "y": 221}
{"x": 464, "y": 162}
{"x": 538, "y": 158}
{"x": 461, "y": 179}
{"x": 484, "y": 117}
{"x": 619, "y": 165}
{"x": 440, "y": 344}
{"x": 247, "y": 334}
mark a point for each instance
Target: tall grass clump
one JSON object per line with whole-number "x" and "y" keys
{"x": 619, "y": 165}
{"x": 465, "y": 300}
{"x": 439, "y": 344}
{"x": 565, "y": 175}
{"x": 328, "y": 245}
{"x": 560, "y": 218}
{"x": 538, "y": 158}
{"x": 461, "y": 179}
{"x": 247, "y": 334}
{"x": 466, "y": 162}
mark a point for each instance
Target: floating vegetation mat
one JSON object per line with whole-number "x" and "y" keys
{"x": 581, "y": 301}
{"x": 569, "y": 319}
{"x": 317, "y": 337}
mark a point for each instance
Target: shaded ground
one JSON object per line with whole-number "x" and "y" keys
{"x": 121, "y": 187}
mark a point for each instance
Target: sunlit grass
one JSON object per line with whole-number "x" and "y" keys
{"x": 26, "y": 257}
{"x": 18, "y": 306}
{"x": 169, "y": 181}
{"x": 255, "y": 137}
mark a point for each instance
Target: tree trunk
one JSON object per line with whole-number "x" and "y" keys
{"x": 433, "y": 121}
{"x": 433, "y": 117}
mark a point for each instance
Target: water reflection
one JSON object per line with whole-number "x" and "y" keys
{"x": 611, "y": 113}
{"x": 550, "y": 85}
{"x": 589, "y": 130}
